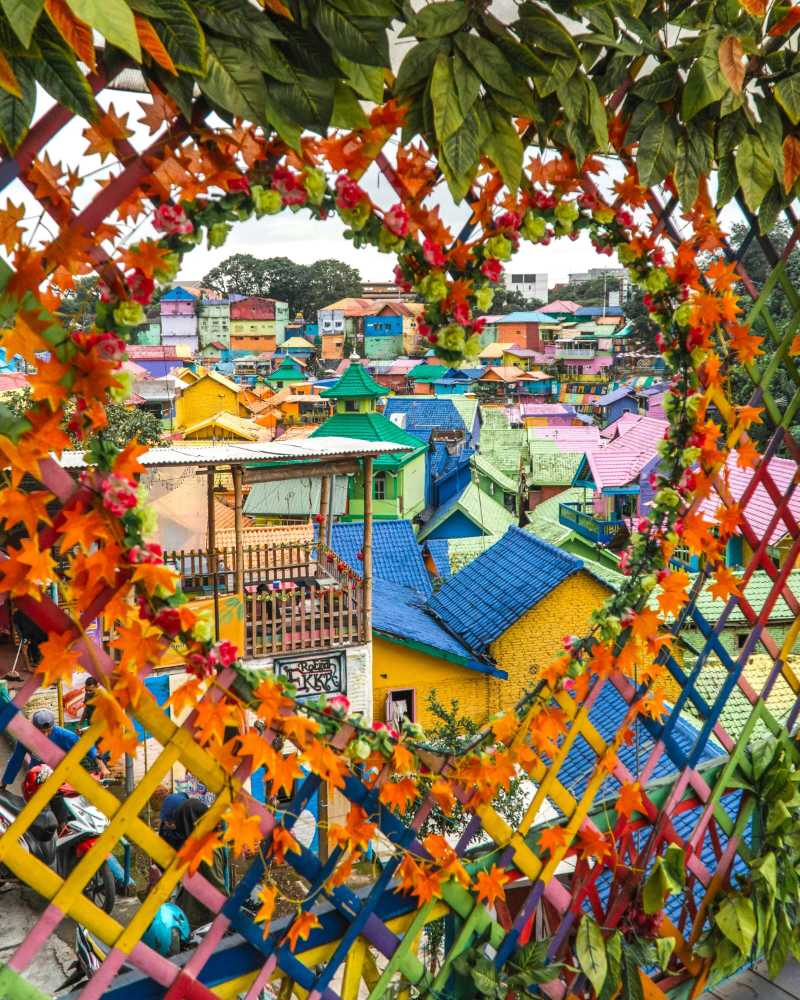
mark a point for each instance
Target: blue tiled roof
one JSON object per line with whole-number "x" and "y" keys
{"x": 396, "y": 556}
{"x": 585, "y": 311}
{"x": 614, "y": 395}
{"x": 425, "y": 415}
{"x": 439, "y": 549}
{"x": 400, "y": 613}
{"x": 494, "y": 590}
{"x": 178, "y": 294}
{"x": 524, "y": 317}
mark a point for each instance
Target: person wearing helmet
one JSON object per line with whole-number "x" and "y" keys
{"x": 44, "y": 720}
{"x": 186, "y": 817}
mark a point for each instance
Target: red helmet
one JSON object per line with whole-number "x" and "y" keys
{"x": 35, "y": 777}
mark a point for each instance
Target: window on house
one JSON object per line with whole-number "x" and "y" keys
{"x": 741, "y": 639}
{"x": 350, "y": 406}
{"x": 379, "y": 486}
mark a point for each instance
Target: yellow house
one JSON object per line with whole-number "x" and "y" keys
{"x": 226, "y": 427}
{"x": 209, "y": 395}
{"x": 485, "y": 635}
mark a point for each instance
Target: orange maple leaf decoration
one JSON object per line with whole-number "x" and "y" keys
{"x": 10, "y": 229}
{"x": 59, "y": 658}
{"x": 18, "y": 507}
{"x": 281, "y": 842}
{"x": 489, "y": 885}
{"x": 673, "y": 594}
{"x": 301, "y": 928}
{"x": 242, "y": 830}
{"x": 630, "y": 799}
{"x": 442, "y": 795}
{"x": 199, "y": 850}
{"x": 267, "y": 896}
{"x": 554, "y": 839}
{"x": 726, "y": 584}
{"x": 418, "y": 880}
{"x": 398, "y": 795}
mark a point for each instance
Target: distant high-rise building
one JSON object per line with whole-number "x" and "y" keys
{"x": 529, "y": 286}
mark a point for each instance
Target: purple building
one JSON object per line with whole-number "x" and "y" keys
{"x": 179, "y": 319}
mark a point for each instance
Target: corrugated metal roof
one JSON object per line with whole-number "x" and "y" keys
{"x": 303, "y": 449}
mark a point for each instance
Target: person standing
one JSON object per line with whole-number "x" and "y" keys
{"x": 44, "y": 720}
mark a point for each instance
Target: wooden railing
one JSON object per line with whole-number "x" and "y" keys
{"x": 581, "y": 518}
{"x": 319, "y": 606}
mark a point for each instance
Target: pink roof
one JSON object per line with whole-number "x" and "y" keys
{"x": 622, "y": 460}
{"x": 546, "y": 410}
{"x": 560, "y": 306}
{"x": 137, "y": 371}
{"x": 151, "y": 352}
{"x": 630, "y": 420}
{"x": 568, "y": 438}
{"x": 400, "y": 366}
{"x": 13, "y": 381}
{"x": 760, "y": 508}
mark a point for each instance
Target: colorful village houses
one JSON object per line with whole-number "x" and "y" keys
{"x": 522, "y": 329}
{"x": 398, "y": 488}
{"x": 291, "y": 370}
{"x": 208, "y": 396}
{"x": 179, "y": 319}
{"x": 257, "y": 323}
{"x": 214, "y": 321}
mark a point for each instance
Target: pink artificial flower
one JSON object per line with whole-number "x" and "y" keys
{"x": 119, "y": 494}
{"x": 492, "y": 269}
{"x": 141, "y": 287}
{"x": 109, "y": 346}
{"x": 339, "y": 703}
{"x": 624, "y": 218}
{"x": 461, "y": 313}
{"x": 169, "y": 621}
{"x": 423, "y": 328}
{"x": 348, "y": 193}
{"x": 400, "y": 279}
{"x": 289, "y": 186}
{"x": 397, "y": 219}
{"x": 227, "y": 652}
{"x": 238, "y": 184}
{"x": 433, "y": 253}
{"x": 382, "y": 727}
{"x": 509, "y": 220}
{"x": 479, "y": 324}
{"x": 172, "y": 219}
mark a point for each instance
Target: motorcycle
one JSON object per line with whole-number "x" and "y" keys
{"x": 61, "y": 835}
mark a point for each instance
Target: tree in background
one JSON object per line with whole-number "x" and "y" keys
{"x": 587, "y": 293}
{"x": 644, "y": 329}
{"x": 124, "y": 422}
{"x": 306, "y": 288}
{"x": 507, "y": 300}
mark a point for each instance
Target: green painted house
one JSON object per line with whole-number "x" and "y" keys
{"x": 289, "y": 371}
{"x": 398, "y": 486}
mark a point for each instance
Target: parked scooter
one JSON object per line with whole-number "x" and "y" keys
{"x": 168, "y": 934}
{"x": 61, "y": 834}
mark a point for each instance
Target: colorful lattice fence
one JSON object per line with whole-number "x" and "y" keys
{"x": 662, "y": 861}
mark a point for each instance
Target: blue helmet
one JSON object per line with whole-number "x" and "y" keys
{"x": 168, "y": 931}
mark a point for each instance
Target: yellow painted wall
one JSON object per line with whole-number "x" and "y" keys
{"x": 534, "y": 640}
{"x": 231, "y": 623}
{"x": 395, "y": 666}
{"x": 206, "y": 398}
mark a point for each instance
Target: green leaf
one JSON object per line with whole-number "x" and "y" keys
{"x": 447, "y": 115}
{"x": 22, "y": 16}
{"x": 16, "y": 113}
{"x": 347, "y": 112}
{"x": 787, "y": 94}
{"x": 655, "y": 888}
{"x": 503, "y": 146}
{"x": 467, "y": 81}
{"x": 183, "y": 38}
{"x": 754, "y": 170}
{"x": 778, "y": 813}
{"x": 736, "y": 919}
{"x": 770, "y": 208}
{"x": 766, "y": 868}
{"x": 776, "y": 955}
{"x": 437, "y": 19}
{"x": 113, "y": 19}
{"x": 417, "y": 66}
{"x": 307, "y": 103}
{"x": 598, "y": 119}
{"x": 664, "y": 950}
{"x": 490, "y": 64}
{"x": 346, "y": 37}
{"x": 644, "y": 115}
{"x": 660, "y": 85}
{"x": 631, "y": 980}
{"x": 543, "y": 31}
{"x": 573, "y": 98}
{"x": 366, "y": 81}
{"x": 762, "y": 756}
{"x": 694, "y": 152}
{"x": 461, "y": 150}
{"x": 656, "y": 154}
{"x": 675, "y": 867}
{"x": 730, "y": 131}
{"x": 484, "y": 975}
{"x": 614, "y": 957}
{"x": 58, "y": 72}
{"x": 590, "y": 950}
{"x": 234, "y": 82}
{"x": 704, "y": 85}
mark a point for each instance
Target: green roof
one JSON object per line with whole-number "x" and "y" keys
{"x": 756, "y": 592}
{"x": 543, "y": 519}
{"x": 486, "y": 467}
{"x": 494, "y": 417}
{"x": 356, "y": 383}
{"x": 466, "y": 408}
{"x": 463, "y": 550}
{"x": 504, "y": 446}
{"x": 372, "y": 427}
{"x": 287, "y": 371}
{"x": 489, "y": 516}
{"x": 427, "y": 373}
{"x": 549, "y": 466}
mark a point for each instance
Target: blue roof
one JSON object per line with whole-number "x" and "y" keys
{"x": 489, "y": 594}
{"x": 439, "y": 550}
{"x": 614, "y": 395}
{"x": 178, "y": 294}
{"x": 400, "y": 613}
{"x": 525, "y": 317}
{"x": 425, "y": 415}
{"x": 396, "y": 556}
{"x": 585, "y": 311}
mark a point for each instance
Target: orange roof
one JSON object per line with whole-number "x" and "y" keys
{"x": 507, "y": 373}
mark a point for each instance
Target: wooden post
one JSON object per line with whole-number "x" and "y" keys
{"x": 331, "y": 512}
{"x": 324, "y": 511}
{"x": 367, "y": 553}
{"x": 211, "y": 551}
{"x": 236, "y": 470}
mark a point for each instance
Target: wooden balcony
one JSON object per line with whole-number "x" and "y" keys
{"x": 581, "y": 518}
{"x": 298, "y": 596}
